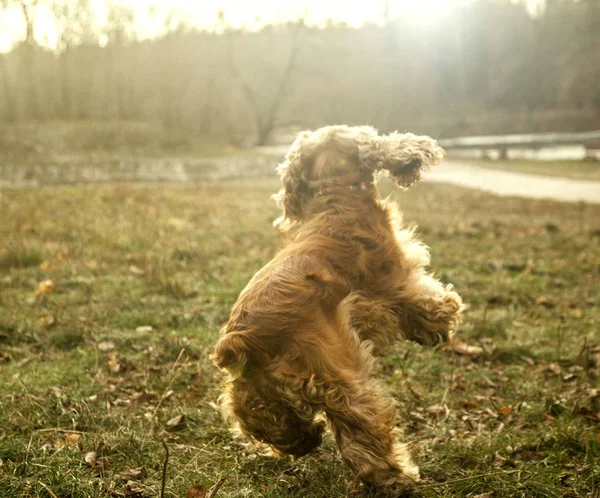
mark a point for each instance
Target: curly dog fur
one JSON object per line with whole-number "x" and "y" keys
{"x": 351, "y": 281}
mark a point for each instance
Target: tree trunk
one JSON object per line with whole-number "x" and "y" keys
{"x": 9, "y": 99}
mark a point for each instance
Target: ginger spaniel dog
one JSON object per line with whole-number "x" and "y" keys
{"x": 351, "y": 281}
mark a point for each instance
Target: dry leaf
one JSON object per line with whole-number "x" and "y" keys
{"x": 198, "y": 491}
{"x": 47, "y": 322}
{"x": 72, "y": 439}
{"x": 463, "y": 348}
{"x": 499, "y": 461}
{"x": 177, "y": 223}
{"x": 468, "y": 404}
{"x": 90, "y": 458}
{"x": 131, "y": 474}
{"x": 136, "y": 271}
{"x": 545, "y": 302}
{"x": 133, "y": 488}
{"x": 143, "y": 329}
{"x": 575, "y": 313}
{"x": 438, "y": 410}
{"x": 106, "y": 345}
{"x": 117, "y": 363}
{"x": 45, "y": 287}
{"x": 176, "y": 423}
{"x": 528, "y": 360}
{"x": 505, "y": 411}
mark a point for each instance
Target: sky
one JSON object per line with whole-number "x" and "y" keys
{"x": 150, "y": 15}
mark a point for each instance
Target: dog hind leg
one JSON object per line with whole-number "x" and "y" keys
{"x": 363, "y": 421}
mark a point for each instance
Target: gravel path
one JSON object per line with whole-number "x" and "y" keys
{"x": 515, "y": 184}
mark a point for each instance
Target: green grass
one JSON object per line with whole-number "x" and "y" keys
{"x": 79, "y": 375}
{"x": 578, "y": 170}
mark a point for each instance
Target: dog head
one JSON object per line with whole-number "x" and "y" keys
{"x": 344, "y": 156}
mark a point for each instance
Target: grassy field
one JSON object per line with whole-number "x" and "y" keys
{"x": 578, "y": 170}
{"x": 111, "y": 298}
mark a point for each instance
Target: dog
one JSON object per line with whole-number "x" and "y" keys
{"x": 303, "y": 336}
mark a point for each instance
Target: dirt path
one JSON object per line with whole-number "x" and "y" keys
{"x": 515, "y": 184}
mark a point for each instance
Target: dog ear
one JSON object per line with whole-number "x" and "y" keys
{"x": 232, "y": 353}
{"x": 295, "y": 192}
{"x": 404, "y": 156}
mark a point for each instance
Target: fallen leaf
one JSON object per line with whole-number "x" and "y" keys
{"x": 553, "y": 368}
{"x": 131, "y": 474}
{"x": 90, "y": 458}
{"x": 106, "y": 345}
{"x": 499, "y": 461}
{"x": 575, "y": 313}
{"x": 461, "y": 347}
{"x": 136, "y": 271}
{"x": 72, "y": 439}
{"x": 198, "y": 491}
{"x": 177, "y": 223}
{"x": 528, "y": 360}
{"x": 531, "y": 456}
{"x": 133, "y": 488}
{"x": 545, "y": 302}
{"x": 118, "y": 364}
{"x": 505, "y": 411}
{"x": 144, "y": 329}
{"x": 468, "y": 404}
{"x": 176, "y": 423}
{"x": 45, "y": 287}
{"x": 47, "y": 322}
{"x": 438, "y": 410}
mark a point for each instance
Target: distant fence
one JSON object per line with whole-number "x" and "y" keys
{"x": 584, "y": 145}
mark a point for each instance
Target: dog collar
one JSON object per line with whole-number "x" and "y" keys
{"x": 334, "y": 188}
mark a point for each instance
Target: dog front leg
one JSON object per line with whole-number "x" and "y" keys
{"x": 428, "y": 312}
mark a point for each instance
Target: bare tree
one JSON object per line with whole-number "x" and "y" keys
{"x": 73, "y": 20}
{"x": 266, "y": 113}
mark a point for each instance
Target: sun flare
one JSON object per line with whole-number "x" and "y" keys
{"x": 152, "y": 18}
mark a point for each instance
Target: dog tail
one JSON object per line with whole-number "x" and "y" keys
{"x": 232, "y": 352}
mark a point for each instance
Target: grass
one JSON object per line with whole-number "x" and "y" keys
{"x": 58, "y": 142}
{"x": 95, "y": 365}
{"x": 578, "y": 170}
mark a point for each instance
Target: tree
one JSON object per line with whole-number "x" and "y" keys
{"x": 266, "y": 111}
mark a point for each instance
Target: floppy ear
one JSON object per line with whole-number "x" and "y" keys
{"x": 404, "y": 156}
{"x": 295, "y": 192}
